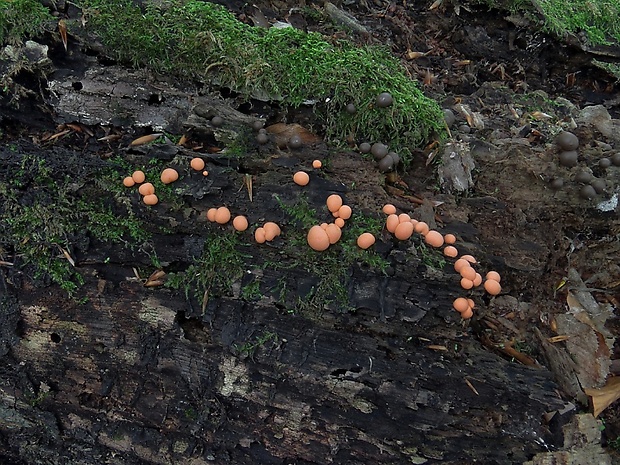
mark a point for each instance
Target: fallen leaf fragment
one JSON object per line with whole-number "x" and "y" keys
{"x": 605, "y": 396}
{"x": 471, "y": 386}
{"x": 156, "y": 279}
{"x": 437, "y": 347}
{"x": 62, "y": 28}
{"x": 283, "y": 132}
{"x": 248, "y": 185}
{"x": 436, "y": 4}
{"x": 145, "y": 139}
{"x": 66, "y": 255}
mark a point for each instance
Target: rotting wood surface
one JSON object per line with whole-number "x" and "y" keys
{"x": 129, "y": 379}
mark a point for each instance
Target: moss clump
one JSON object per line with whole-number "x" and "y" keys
{"x": 43, "y": 219}
{"x": 598, "y": 19}
{"x": 204, "y": 41}
{"x": 20, "y": 19}
{"x": 214, "y": 272}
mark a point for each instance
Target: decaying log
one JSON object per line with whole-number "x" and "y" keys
{"x": 135, "y": 375}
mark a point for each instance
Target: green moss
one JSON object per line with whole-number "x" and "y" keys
{"x": 598, "y": 19}
{"x": 332, "y": 267}
{"x": 21, "y": 19}
{"x": 215, "y": 271}
{"x": 43, "y": 216}
{"x": 204, "y": 41}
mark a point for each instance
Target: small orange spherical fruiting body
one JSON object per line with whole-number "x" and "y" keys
{"x": 128, "y": 182}
{"x": 494, "y": 275}
{"x": 460, "y": 304}
{"x": 389, "y": 209}
{"x": 449, "y": 239}
{"x": 469, "y": 258}
{"x": 467, "y": 314}
{"x": 222, "y": 215}
{"x": 259, "y": 235}
{"x": 333, "y": 202}
{"x": 169, "y": 175}
{"x": 365, "y": 240}
{"x": 333, "y": 232}
{"x": 391, "y": 222}
{"x": 478, "y": 280}
{"x": 138, "y": 176}
{"x": 146, "y": 189}
{"x": 492, "y": 287}
{"x": 197, "y": 164}
{"x": 450, "y": 251}
{"x": 460, "y": 264}
{"x": 317, "y": 164}
{"x": 318, "y": 238}
{"x": 301, "y": 178}
{"x": 466, "y": 283}
{"x": 150, "y": 199}
{"x": 422, "y": 228}
{"x": 468, "y": 272}
{"x": 434, "y": 238}
{"x": 403, "y": 231}
{"x": 345, "y": 212}
{"x": 272, "y": 230}
{"x": 240, "y": 223}
{"x": 339, "y": 222}
{"x": 211, "y": 214}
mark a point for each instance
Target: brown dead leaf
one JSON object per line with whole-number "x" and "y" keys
{"x": 67, "y": 255}
{"x": 62, "y": 28}
{"x": 436, "y": 4}
{"x": 519, "y": 356}
{"x": 605, "y": 396}
{"x": 437, "y": 347}
{"x": 283, "y": 132}
{"x": 248, "y": 185}
{"x": 471, "y": 386}
{"x": 145, "y": 139}
{"x": 156, "y": 279}
{"x": 411, "y": 55}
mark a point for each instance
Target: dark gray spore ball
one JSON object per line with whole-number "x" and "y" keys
{"x": 557, "y": 183}
{"x": 464, "y": 128}
{"x": 217, "y": 121}
{"x": 365, "y": 147}
{"x": 257, "y": 125}
{"x": 262, "y": 138}
{"x": 599, "y": 185}
{"x": 379, "y": 150}
{"x": 395, "y": 157}
{"x": 587, "y": 192}
{"x": 568, "y": 158}
{"x": 384, "y": 99}
{"x": 615, "y": 159}
{"x": 295, "y": 142}
{"x": 448, "y": 116}
{"x": 350, "y": 108}
{"x": 604, "y": 163}
{"x": 567, "y": 141}
{"x": 386, "y": 164}
{"x": 583, "y": 177}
